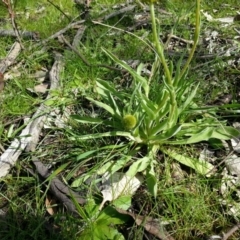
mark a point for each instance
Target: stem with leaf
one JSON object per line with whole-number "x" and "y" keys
{"x": 169, "y": 81}
{"x": 196, "y": 37}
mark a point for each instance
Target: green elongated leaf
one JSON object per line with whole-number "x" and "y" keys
{"x": 80, "y": 209}
{"x": 56, "y": 172}
{"x": 109, "y": 215}
{"x": 114, "y": 166}
{"x": 177, "y": 72}
{"x": 151, "y": 180}
{"x": 203, "y": 135}
{"x": 225, "y": 133}
{"x": 188, "y": 100}
{"x": 114, "y": 106}
{"x": 86, "y": 154}
{"x": 159, "y": 127}
{"x": 148, "y": 110}
{"x": 139, "y": 166}
{"x": 102, "y": 105}
{"x": 222, "y": 132}
{"x": 87, "y": 119}
{"x": 200, "y": 166}
{"x": 148, "y": 106}
{"x": 136, "y": 76}
{"x": 104, "y": 88}
{"x": 106, "y": 134}
{"x": 163, "y": 137}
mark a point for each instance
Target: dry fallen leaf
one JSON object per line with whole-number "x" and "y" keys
{"x": 118, "y": 184}
{"x": 150, "y": 225}
{"x": 41, "y": 88}
{"x": 49, "y": 203}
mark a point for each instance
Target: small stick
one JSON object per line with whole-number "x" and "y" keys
{"x": 12, "y": 16}
{"x": 62, "y": 31}
{"x": 59, "y": 9}
{"x": 84, "y": 59}
{"x": 231, "y": 232}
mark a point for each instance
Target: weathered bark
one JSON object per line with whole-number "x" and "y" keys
{"x": 29, "y": 136}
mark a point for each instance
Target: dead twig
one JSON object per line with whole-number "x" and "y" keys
{"x": 10, "y": 59}
{"x": 59, "y": 9}
{"x": 62, "y": 31}
{"x": 150, "y": 225}
{"x": 84, "y": 59}
{"x": 9, "y": 6}
{"x": 59, "y": 189}
{"x": 120, "y": 12}
{"x": 23, "y": 34}
{"x": 231, "y": 232}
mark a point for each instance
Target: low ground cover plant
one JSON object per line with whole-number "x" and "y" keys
{"x": 158, "y": 121}
{"x": 143, "y": 109}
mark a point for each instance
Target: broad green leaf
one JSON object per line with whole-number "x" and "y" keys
{"x": 151, "y": 180}
{"x": 200, "y": 166}
{"x": 91, "y": 208}
{"x": 109, "y": 216}
{"x": 90, "y": 120}
{"x": 138, "y": 166}
{"x": 102, "y": 105}
{"x": 100, "y": 231}
{"x": 123, "y": 202}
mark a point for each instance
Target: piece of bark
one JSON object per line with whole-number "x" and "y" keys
{"x": 120, "y": 12}
{"x": 11, "y": 57}
{"x": 1, "y": 81}
{"x": 150, "y": 225}
{"x": 41, "y": 114}
{"x": 77, "y": 38}
{"x": 22, "y": 34}
{"x": 30, "y": 134}
{"x": 59, "y": 189}
{"x": 231, "y": 232}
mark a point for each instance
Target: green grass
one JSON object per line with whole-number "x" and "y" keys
{"x": 191, "y": 205}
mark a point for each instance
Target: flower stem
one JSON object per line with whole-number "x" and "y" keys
{"x": 168, "y": 77}
{"x": 196, "y": 37}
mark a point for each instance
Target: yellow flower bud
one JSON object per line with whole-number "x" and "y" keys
{"x": 129, "y": 122}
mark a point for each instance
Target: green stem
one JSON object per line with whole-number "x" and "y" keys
{"x": 160, "y": 52}
{"x": 158, "y": 46}
{"x": 196, "y": 37}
